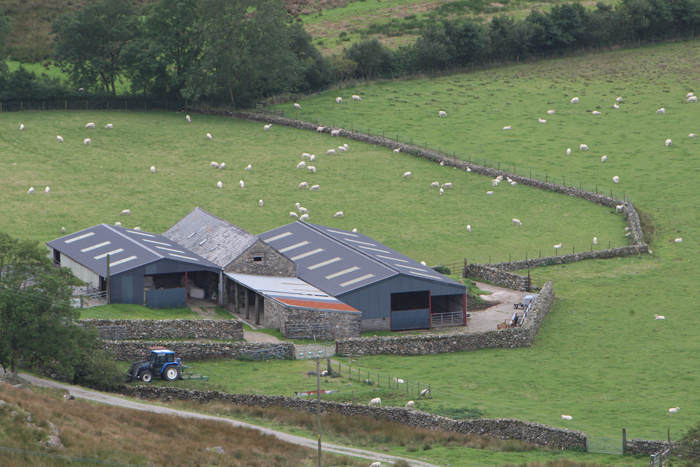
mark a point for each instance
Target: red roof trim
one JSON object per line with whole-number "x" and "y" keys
{"x": 320, "y": 305}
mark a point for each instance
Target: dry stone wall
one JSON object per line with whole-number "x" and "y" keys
{"x": 230, "y": 329}
{"x": 442, "y": 343}
{"x": 494, "y": 275}
{"x": 507, "y": 428}
{"x": 133, "y": 351}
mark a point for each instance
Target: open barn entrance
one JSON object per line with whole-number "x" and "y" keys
{"x": 410, "y": 310}
{"x": 447, "y": 310}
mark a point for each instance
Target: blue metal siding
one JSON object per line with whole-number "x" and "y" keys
{"x": 173, "y": 298}
{"x": 410, "y": 319}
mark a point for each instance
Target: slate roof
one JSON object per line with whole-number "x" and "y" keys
{"x": 337, "y": 261}
{"x": 128, "y": 249}
{"x": 213, "y": 238}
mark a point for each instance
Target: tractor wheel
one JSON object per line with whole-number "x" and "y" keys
{"x": 146, "y": 376}
{"x": 171, "y": 373}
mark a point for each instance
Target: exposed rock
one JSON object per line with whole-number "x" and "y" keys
{"x": 53, "y": 442}
{"x": 218, "y": 450}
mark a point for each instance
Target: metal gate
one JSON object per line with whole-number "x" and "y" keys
{"x": 604, "y": 445}
{"x": 308, "y": 351}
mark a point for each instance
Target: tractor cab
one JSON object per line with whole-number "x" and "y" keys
{"x": 161, "y": 363}
{"x": 159, "y": 358}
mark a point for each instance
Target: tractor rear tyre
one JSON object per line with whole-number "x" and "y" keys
{"x": 171, "y": 373}
{"x": 146, "y": 376}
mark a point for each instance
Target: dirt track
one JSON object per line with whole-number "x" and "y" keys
{"x": 488, "y": 319}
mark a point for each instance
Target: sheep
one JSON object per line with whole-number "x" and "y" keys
{"x": 669, "y": 142}
{"x": 261, "y": 203}
{"x": 305, "y": 155}
{"x": 469, "y": 228}
{"x": 153, "y": 169}
{"x": 59, "y": 139}
{"x": 330, "y": 151}
{"x": 495, "y": 182}
{"x": 339, "y": 100}
{"x": 267, "y": 127}
{"x": 342, "y": 149}
{"x": 345, "y": 145}
{"x": 517, "y": 222}
{"x": 407, "y": 175}
{"x": 320, "y": 129}
{"x": 223, "y": 165}
{"x": 315, "y": 188}
{"x": 209, "y": 137}
{"x": 303, "y": 210}
{"x": 574, "y": 100}
{"x": 692, "y": 99}
{"x": 442, "y": 113}
{"x": 301, "y": 165}
{"x": 447, "y": 185}
{"x": 435, "y": 185}
{"x": 354, "y": 230}
{"x": 674, "y": 409}
{"x": 303, "y": 185}
{"x": 678, "y": 240}
{"x": 595, "y": 112}
{"x": 583, "y": 147}
{"x": 619, "y": 99}
{"x": 507, "y": 127}
{"x": 31, "y": 190}
{"x": 335, "y": 132}
{"x": 661, "y": 111}
{"x": 627, "y": 229}
{"x": 551, "y": 112}
{"x": 489, "y": 192}
{"x": 109, "y": 126}
{"x": 248, "y": 168}
{"x": 410, "y": 404}
{"x": 442, "y": 163}
{"x": 567, "y": 417}
{"x": 595, "y": 240}
{"x": 137, "y": 228}
{"x": 659, "y": 317}
{"x": 187, "y": 117}
{"x": 375, "y": 401}
{"x": 325, "y": 373}
{"x": 542, "y": 120}
{"x": 619, "y": 207}
{"x": 312, "y": 169}
{"x": 87, "y": 141}
{"x": 375, "y": 464}
{"x": 125, "y": 212}
{"x": 604, "y": 158}
{"x": 568, "y": 151}
{"x": 47, "y": 190}
{"x": 441, "y": 191}
{"x": 297, "y": 106}
{"x": 556, "y": 247}
{"x": 692, "y": 135}
{"x": 424, "y": 392}
{"x": 21, "y": 127}
{"x": 398, "y": 380}
{"x": 304, "y": 217}
{"x": 214, "y": 165}
{"x": 297, "y": 205}
{"x": 293, "y": 214}
{"x": 90, "y": 126}
{"x": 241, "y": 183}
{"x": 690, "y": 94}
{"x": 357, "y": 98}
{"x": 339, "y": 214}
{"x": 220, "y": 185}
{"x": 616, "y": 179}
{"x": 312, "y": 158}
{"x": 397, "y": 150}
{"x": 615, "y": 106}
{"x": 423, "y": 263}
{"x": 117, "y": 224}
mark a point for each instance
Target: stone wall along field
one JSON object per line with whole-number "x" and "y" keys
{"x": 133, "y": 351}
{"x": 229, "y": 329}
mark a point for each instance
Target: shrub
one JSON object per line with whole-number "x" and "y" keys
{"x": 99, "y": 370}
{"x": 443, "y": 270}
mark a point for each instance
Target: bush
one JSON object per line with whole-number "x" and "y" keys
{"x": 99, "y": 370}
{"x": 443, "y": 270}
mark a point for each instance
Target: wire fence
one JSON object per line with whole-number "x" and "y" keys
{"x": 92, "y": 103}
{"x": 68, "y": 458}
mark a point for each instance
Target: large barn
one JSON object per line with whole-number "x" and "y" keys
{"x": 144, "y": 268}
{"x": 392, "y": 291}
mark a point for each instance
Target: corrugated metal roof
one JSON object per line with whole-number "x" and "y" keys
{"x": 291, "y": 291}
{"x": 337, "y": 261}
{"x": 128, "y": 249}
{"x": 213, "y": 238}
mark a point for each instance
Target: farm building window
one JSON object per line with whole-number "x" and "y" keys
{"x": 410, "y": 301}
{"x": 256, "y": 258}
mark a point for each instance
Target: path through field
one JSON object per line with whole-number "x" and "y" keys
{"x": 488, "y": 319}
{"x": 95, "y": 396}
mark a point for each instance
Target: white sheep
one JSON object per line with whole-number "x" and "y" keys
{"x": 354, "y": 230}
{"x": 303, "y": 185}
{"x": 87, "y": 141}
{"x": 595, "y": 112}
{"x": 315, "y": 188}
{"x": 669, "y": 142}
{"x": 31, "y": 190}
{"x": 619, "y": 99}
{"x": 407, "y": 175}
{"x": 556, "y": 247}
{"x": 595, "y": 240}
{"x": 47, "y": 190}
{"x": 241, "y": 183}
{"x": 442, "y": 163}
{"x": 137, "y": 228}
{"x": 442, "y": 190}
{"x": 109, "y": 126}
{"x": 248, "y": 168}
{"x": 357, "y": 98}
{"x": 375, "y": 401}
{"x": 335, "y": 132}
{"x": 517, "y": 222}
{"x": 261, "y": 203}
{"x": 339, "y": 100}
{"x": 442, "y": 113}
{"x": 604, "y": 158}
{"x": 21, "y": 127}
{"x": 209, "y": 137}
{"x": 187, "y": 117}
{"x": 293, "y": 214}
{"x": 615, "y": 106}
{"x": 220, "y": 185}
{"x": 424, "y": 392}
{"x": 619, "y": 207}
{"x": 303, "y": 210}
{"x": 616, "y": 179}
{"x": 551, "y": 112}
{"x": 63, "y": 230}
{"x": 542, "y": 120}
{"x": 435, "y": 185}
{"x": 339, "y": 214}
{"x": 568, "y": 151}
{"x": 423, "y": 263}
{"x": 690, "y": 94}
{"x": 398, "y": 380}
{"x": 661, "y": 111}
{"x": 304, "y": 217}
{"x": 214, "y": 165}
{"x": 507, "y": 127}
{"x": 297, "y": 205}
{"x": 692, "y": 135}
{"x": 223, "y": 165}
{"x": 305, "y": 155}
{"x": 397, "y": 150}
{"x": 312, "y": 169}
{"x": 567, "y": 417}
{"x": 59, "y": 139}
{"x": 489, "y": 192}
{"x": 410, "y": 404}
{"x": 469, "y": 228}
{"x": 312, "y": 158}
{"x": 118, "y": 224}
{"x": 297, "y": 106}
{"x": 153, "y": 169}
{"x": 267, "y": 127}
{"x": 583, "y": 147}
{"x": 678, "y": 240}
{"x": 659, "y": 317}
{"x": 330, "y": 151}
{"x": 447, "y": 185}
{"x": 674, "y": 409}
{"x": 574, "y": 100}
{"x": 375, "y": 464}
{"x": 301, "y": 165}
{"x": 342, "y": 149}
{"x": 513, "y": 183}
{"x": 495, "y": 182}
{"x": 320, "y": 129}
{"x": 90, "y": 126}
{"x": 125, "y": 212}
{"x": 692, "y": 99}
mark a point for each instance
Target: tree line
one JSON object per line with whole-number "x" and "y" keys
{"x": 237, "y": 51}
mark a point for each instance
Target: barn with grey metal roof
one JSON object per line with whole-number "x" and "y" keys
{"x": 391, "y": 290}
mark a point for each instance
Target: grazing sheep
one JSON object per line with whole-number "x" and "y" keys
{"x": 692, "y": 135}
{"x": 220, "y": 185}
{"x": 595, "y": 112}
{"x": 495, "y": 182}
{"x": 109, "y": 126}
{"x": 489, "y": 192}
{"x": 63, "y": 230}
{"x": 659, "y": 317}
{"x": 214, "y": 165}
{"x": 320, "y": 129}
{"x": 604, "y": 158}
{"x": 261, "y": 203}
{"x": 335, "y": 132}
{"x": 692, "y": 99}
{"x": 90, "y": 126}
{"x": 293, "y": 214}
{"x": 303, "y": 210}
{"x": 690, "y": 94}
{"x": 302, "y": 185}
{"x": 137, "y": 228}
{"x": 301, "y": 165}
{"x": 376, "y": 464}
{"x": 442, "y": 190}
{"x": 619, "y": 99}
{"x": 616, "y": 179}
{"x": 398, "y": 380}
{"x": 409, "y": 404}
{"x": 312, "y": 158}
{"x": 342, "y": 149}
{"x": 267, "y": 127}
{"x": 507, "y": 127}
{"x": 615, "y": 106}
{"x": 330, "y": 151}
{"x": 47, "y": 190}
{"x": 678, "y": 240}
{"x": 118, "y": 224}
{"x": 583, "y": 147}
{"x": 223, "y": 165}
{"x": 556, "y": 247}
{"x": 248, "y": 168}
{"x": 619, "y": 207}
{"x": 447, "y": 185}
{"x": 354, "y": 230}
{"x": 568, "y": 151}
{"x": 375, "y": 401}
{"x": 31, "y": 190}
{"x": 209, "y": 137}
{"x": 517, "y": 222}
{"x": 668, "y": 142}
{"x": 407, "y": 175}
{"x": 661, "y": 111}
{"x": 87, "y": 141}
{"x": 435, "y": 185}
{"x": 397, "y": 150}
{"x": 424, "y": 392}
{"x": 339, "y": 100}
{"x": 357, "y": 98}
{"x": 674, "y": 409}
{"x": 567, "y": 417}
{"x": 241, "y": 183}
{"x": 513, "y": 183}
{"x": 125, "y": 212}
{"x": 442, "y": 163}
{"x": 423, "y": 263}
{"x": 59, "y": 139}
{"x": 574, "y": 100}
{"x": 297, "y": 205}
{"x": 595, "y": 240}
{"x": 297, "y": 106}
{"x": 469, "y": 228}
{"x": 542, "y": 120}
{"x": 304, "y": 217}
{"x": 312, "y": 169}
{"x": 442, "y": 113}
{"x": 551, "y": 112}
{"x": 339, "y": 214}
{"x": 305, "y": 155}
{"x": 21, "y": 127}
{"x": 315, "y": 188}
{"x": 153, "y": 169}
{"x": 187, "y": 117}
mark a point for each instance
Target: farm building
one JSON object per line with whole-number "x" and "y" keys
{"x": 392, "y": 291}
{"x": 144, "y": 268}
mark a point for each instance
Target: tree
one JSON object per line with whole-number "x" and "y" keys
{"x": 372, "y": 58}
{"x": 5, "y": 30}
{"x": 37, "y": 321}
{"x": 89, "y": 41}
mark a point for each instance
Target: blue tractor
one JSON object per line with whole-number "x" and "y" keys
{"x": 162, "y": 362}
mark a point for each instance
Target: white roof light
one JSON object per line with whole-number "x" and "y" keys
{"x": 304, "y": 255}
{"x": 357, "y": 241}
{"x": 184, "y": 257}
{"x": 393, "y": 259}
{"x": 277, "y": 237}
{"x": 340, "y": 273}
{"x": 325, "y": 263}
{"x": 373, "y": 249}
{"x": 113, "y": 252}
{"x": 159, "y": 243}
{"x": 123, "y": 260}
{"x": 94, "y": 247}
{"x": 75, "y": 239}
{"x": 298, "y": 245}
{"x": 140, "y": 233}
{"x": 359, "y": 279}
{"x": 169, "y": 249}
